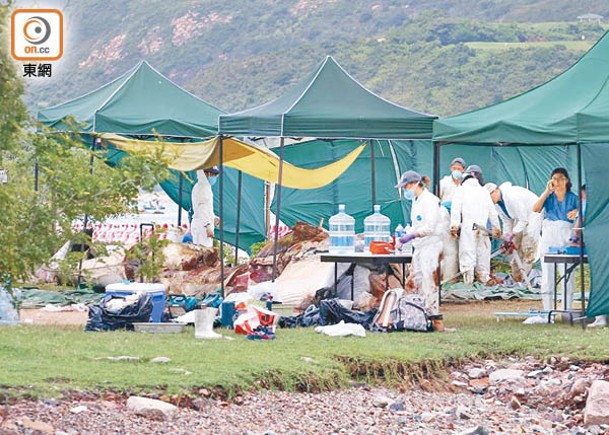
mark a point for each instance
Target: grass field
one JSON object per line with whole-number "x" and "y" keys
{"x": 45, "y": 360}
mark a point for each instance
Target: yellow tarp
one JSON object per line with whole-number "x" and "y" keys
{"x": 252, "y": 160}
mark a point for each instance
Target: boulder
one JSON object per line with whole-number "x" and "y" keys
{"x": 502, "y": 375}
{"x": 597, "y": 405}
{"x": 151, "y": 408}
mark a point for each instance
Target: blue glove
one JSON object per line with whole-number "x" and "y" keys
{"x": 407, "y": 238}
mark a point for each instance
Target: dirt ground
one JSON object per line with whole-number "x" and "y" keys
{"x": 475, "y": 308}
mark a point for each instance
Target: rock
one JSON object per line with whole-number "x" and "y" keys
{"x": 462, "y": 413}
{"x": 160, "y": 360}
{"x": 427, "y": 417}
{"x": 481, "y": 383}
{"x": 307, "y": 359}
{"x": 597, "y": 405}
{"x": 514, "y": 403}
{"x": 534, "y": 374}
{"x": 78, "y": 409}
{"x": 381, "y": 402}
{"x": 476, "y": 373}
{"x": 151, "y": 408}
{"x": 477, "y": 430}
{"x": 396, "y": 407}
{"x": 547, "y": 370}
{"x": 460, "y": 384}
{"x": 37, "y": 426}
{"x": 181, "y": 371}
{"x": 502, "y": 375}
{"x": 579, "y": 387}
{"x": 573, "y": 368}
{"x": 123, "y": 358}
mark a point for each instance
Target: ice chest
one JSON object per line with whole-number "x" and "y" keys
{"x": 155, "y": 291}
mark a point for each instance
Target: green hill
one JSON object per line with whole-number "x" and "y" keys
{"x": 442, "y": 57}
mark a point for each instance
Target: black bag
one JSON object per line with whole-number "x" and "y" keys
{"x": 409, "y": 315}
{"x": 102, "y": 318}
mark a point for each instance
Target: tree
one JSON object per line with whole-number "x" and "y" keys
{"x": 35, "y": 220}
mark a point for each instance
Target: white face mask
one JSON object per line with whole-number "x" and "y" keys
{"x": 457, "y": 174}
{"x": 409, "y": 194}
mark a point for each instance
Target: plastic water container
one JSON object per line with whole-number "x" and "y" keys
{"x": 377, "y": 227}
{"x": 399, "y": 232}
{"x": 342, "y": 232}
{"x": 407, "y": 247}
{"x": 8, "y": 313}
{"x": 157, "y": 293}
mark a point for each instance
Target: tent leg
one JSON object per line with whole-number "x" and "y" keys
{"x": 238, "y": 223}
{"x": 36, "y": 172}
{"x": 86, "y": 220}
{"x": 277, "y": 216}
{"x": 221, "y": 213}
{"x": 180, "y": 183}
{"x": 581, "y": 231}
{"x": 436, "y": 189}
{"x": 373, "y": 172}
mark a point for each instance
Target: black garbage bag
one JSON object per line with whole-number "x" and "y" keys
{"x": 103, "y": 318}
{"x": 332, "y": 312}
{"x": 310, "y": 317}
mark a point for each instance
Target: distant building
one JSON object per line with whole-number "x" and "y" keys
{"x": 590, "y": 18}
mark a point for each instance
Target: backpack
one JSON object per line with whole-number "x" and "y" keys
{"x": 409, "y": 315}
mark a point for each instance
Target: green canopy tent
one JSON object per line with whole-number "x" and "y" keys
{"x": 393, "y": 157}
{"x": 327, "y": 103}
{"x": 571, "y": 109}
{"x": 145, "y": 104}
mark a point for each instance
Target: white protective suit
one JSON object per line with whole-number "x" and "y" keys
{"x": 523, "y": 223}
{"x": 447, "y": 188}
{"x": 471, "y": 205}
{"x": 554, "y": 233}
{"x": 450, "y": 260}
{"x": 203, "y": 207}
{"x": 427, "y": 223}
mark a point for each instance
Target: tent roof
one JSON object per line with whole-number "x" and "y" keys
{"x": 571, "y": 108}
{"x": 329, "y": 103}
{"x": 141, "y": 101}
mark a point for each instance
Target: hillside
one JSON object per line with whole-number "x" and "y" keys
{"x": 441, "y": 57}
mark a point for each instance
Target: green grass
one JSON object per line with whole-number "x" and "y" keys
{"x": 494, "y": 46}
{"x": 46, "y": 360}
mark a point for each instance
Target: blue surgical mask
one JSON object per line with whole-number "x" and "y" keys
{"x": 409, "y": 195}
{"x": 457, "y": 174}
{"x": 584, "y": 204}
{"x": 212, "y": 180}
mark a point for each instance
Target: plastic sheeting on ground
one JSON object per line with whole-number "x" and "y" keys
{"x": 301, "y": 279}
{"x": 35, "y": 298}
{"x": 479, "y": 291}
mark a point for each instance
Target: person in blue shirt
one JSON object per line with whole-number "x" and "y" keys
{"x": 560, "y": 207}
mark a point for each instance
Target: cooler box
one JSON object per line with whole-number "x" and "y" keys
{"x": 155, "y": 291}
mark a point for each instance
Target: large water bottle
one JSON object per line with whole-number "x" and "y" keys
{"x": 8, "y": 313}
{"x": 342, "y": 232}
{"x": 377, "y": 227}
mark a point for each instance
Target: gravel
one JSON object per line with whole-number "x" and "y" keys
{"x": 547, "y": 406}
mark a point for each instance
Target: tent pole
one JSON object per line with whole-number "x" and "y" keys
{"x": 238, "y": 223}
{"x": 582, "y": 287}
{"x": 180, "y": 199}
{"x": 86, "y": 220}
{"x": 36, "y": 172}
{"x": 436, "y": 169}
{"x": 221, "y": 212}
{"x": 373, "y": 172}
{"x": 267, "y": 208}
{"x": 277, "y": 216}
{"x": 436, "y": 189}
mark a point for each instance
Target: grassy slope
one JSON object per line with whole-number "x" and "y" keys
{"x": 51, "y": 358}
